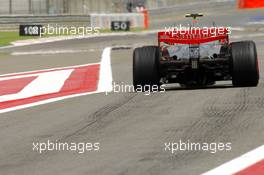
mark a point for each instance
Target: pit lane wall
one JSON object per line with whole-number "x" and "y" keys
{"x": 250, "y": 4}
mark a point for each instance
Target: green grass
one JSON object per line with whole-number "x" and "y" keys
{"x": 6, "y": 37}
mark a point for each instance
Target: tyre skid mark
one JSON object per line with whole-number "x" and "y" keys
{"x": 216, "y": 122}
{"x": 97, "y": 117}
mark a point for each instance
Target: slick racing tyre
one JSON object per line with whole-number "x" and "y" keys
{"x": 146, "y": 66}
{"x": 244, "y": 62}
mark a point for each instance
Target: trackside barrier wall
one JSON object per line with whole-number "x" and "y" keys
{"x": 137, "y": 20}
{"x": 250, "y": 4}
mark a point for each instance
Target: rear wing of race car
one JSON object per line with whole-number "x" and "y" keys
{"x": 193, "y": 36}
{"x": 194, "y": 15}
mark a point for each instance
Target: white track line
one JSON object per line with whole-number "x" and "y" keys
{"x": 36, "y": 72}
{"x": 105, "y": 83}
{"x": 247, "y": 36}
{"x": 52, "y": 81}
{"x": 240, "y": 163}
{"x": 256, "y": 22}
{"x": 64, "y": 38}
{"x": 50, "y": 52}
{"x": 103, "y": 80}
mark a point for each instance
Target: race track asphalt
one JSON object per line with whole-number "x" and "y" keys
{"x": 132, "y": 127}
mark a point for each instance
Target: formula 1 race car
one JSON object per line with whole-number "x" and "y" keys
{"x": 196, "y": 57}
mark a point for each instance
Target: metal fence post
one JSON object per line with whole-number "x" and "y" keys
{"x": 47, "y": 6}
{"x": 10, "y": 6}
{"x": 29, "y": 6}
{"x": 65, "y": 6}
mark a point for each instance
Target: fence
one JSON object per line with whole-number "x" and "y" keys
{"x": 52, "y": 7}
{"x": 79, "y": 7}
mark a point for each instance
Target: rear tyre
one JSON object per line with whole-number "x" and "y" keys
{"x": 146, "y": 67}
{"x": 244, "y": 62}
